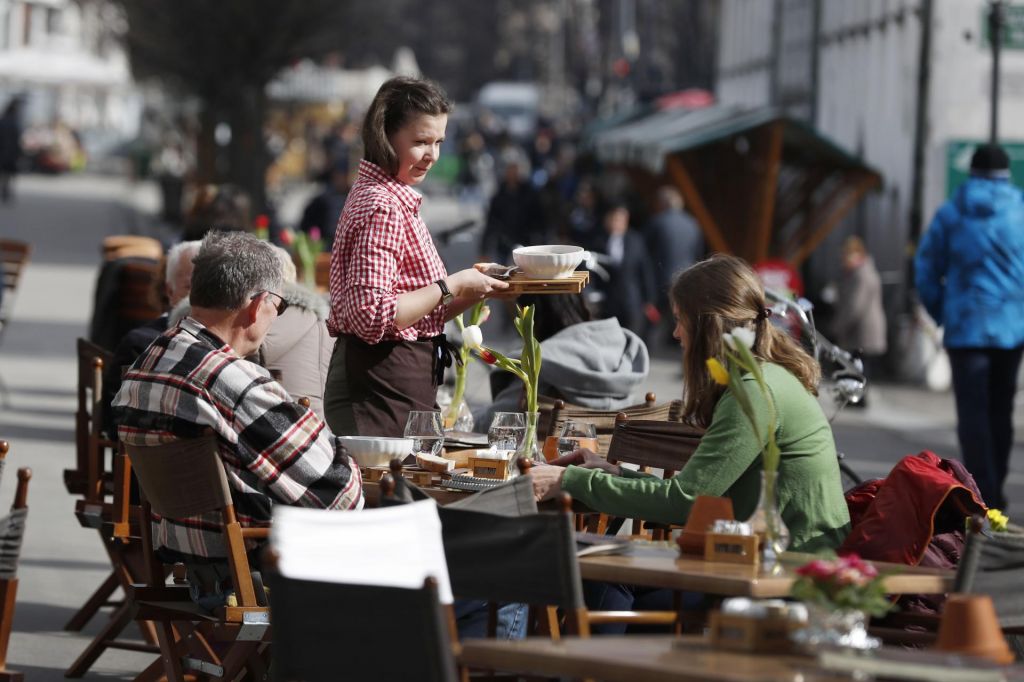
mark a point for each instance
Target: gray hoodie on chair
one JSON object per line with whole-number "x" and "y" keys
{"x": 598, "y": 365}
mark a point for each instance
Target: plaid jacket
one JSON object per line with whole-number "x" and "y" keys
{"x": 274, "y": 450}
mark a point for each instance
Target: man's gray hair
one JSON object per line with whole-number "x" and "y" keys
{"x": 230, "y": 268}
{"x": 176, "y": 255}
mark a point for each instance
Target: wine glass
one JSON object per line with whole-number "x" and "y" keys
{"x": 507, "y": 431}
{"x": 575, "y": 435}
{"x": 427, "y": 432}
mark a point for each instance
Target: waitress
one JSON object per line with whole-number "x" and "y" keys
{"x": 390, "y": 293}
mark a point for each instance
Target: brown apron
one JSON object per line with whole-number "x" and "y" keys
{"x": 372, "y": 388}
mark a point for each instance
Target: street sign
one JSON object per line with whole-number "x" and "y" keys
{"x": 1013, "y": 27}
{"x": 958, "y": 161}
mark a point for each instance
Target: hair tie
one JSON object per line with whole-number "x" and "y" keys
{"x": 764, "y": 314}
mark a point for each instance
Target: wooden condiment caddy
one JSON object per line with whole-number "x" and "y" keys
{"x": 759, "y": 634}
{"x": 705, "y": 511}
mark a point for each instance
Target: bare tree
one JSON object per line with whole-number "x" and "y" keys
{"x": 225, "y": 53}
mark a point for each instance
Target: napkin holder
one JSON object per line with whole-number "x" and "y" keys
{"x": 705, "y": 511}
{"x": 769, "y": 634}
{"x": 495, "y": 468}
{"x": 375, "y": 473}
{"x": 731, "y": 545}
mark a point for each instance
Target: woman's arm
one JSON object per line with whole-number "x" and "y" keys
{"x": 727, "y": 450}
{"x": 468, "y": 286}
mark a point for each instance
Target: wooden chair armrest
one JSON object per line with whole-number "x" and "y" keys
{"x": 639, "y": 617}
{"x": 256, "y": 533}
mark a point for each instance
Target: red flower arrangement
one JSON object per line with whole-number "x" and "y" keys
{"x": 848, "y": 582}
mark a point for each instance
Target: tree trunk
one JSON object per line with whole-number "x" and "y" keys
{"x": 247, "y": 153}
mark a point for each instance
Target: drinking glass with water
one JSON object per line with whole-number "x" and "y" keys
{"x": 575, "y": 435}
{"x": 427, "y": 432}
{"x": 507, "y": 431}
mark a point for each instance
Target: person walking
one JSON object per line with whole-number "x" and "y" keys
{"x": 674, "y": 242}
{"x": 860, "y": 317}
{"x": 630, "y": 289}
{"x": 10, "y": 147}
{"x": 969, "y": 273}
{"x": 390, "y": 292}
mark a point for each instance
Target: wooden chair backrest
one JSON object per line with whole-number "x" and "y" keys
{"x": 182, "y": 478}
{"x": 90, "y": 444}
{"x": 137, "y": 300}
{"x": 378, "y": 617}
{"x": 14, "y": 255}
{"x": 186, "y": 478}
{"x": 604, "y": 420}
{"x": 653, "y": 444}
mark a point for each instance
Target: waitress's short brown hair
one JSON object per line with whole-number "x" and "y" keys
{"x": 395, "y": 103}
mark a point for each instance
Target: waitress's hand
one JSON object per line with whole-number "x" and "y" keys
{"x": 547, "y": 481}
{"x": 471, "y": 284}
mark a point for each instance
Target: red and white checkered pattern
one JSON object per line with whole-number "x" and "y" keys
{"x": 382, "y": 249}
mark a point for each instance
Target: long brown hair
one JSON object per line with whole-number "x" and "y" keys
{"x": 711, "y": 299}
{"x": 397, "y": 101}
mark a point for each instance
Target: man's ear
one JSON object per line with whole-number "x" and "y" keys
{"x": 252, "y": 310}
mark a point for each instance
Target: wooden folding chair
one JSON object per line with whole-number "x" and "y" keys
{"x": 180, "y": 479}
{"x": 527, "y": 559}
{"x": 336, "y": 618}
{"x": 122, "y": 540}
{"x": 12, "y": 530}
{"x": 650, "y": 444}
{"x": 90, "y": 477}
{"x": 604, "y": 420}
{"x": 14, "y": 256}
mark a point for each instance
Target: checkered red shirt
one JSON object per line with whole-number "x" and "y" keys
{"x": 382, "y": 249}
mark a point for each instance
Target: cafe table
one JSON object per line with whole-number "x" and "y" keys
{"x": 629, "y": 658}
{"x": 661, "y": 565}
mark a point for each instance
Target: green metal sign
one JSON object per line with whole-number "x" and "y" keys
{"x": 958, "y": 161}
{"x": 1013, "y": 27}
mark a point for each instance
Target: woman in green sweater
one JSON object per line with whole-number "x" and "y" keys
{"x": 710, "y": 299}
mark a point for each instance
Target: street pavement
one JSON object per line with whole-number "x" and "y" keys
{"x": 65, "y": 218}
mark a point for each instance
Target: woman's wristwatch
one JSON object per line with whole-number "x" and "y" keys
{"x": 446, "y": 295}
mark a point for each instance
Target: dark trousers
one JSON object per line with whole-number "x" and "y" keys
{"x": 984, "y": 382}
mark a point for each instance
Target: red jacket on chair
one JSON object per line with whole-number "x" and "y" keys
{"x": 904, "y": 517}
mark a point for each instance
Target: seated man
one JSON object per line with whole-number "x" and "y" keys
{"x": 194, "y": 377}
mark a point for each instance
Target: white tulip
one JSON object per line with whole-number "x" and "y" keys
{"x": 472, "y": 337}
{"x": 485, "y": 314}
{"x": 744, "y": 336}
{"x": 729, "y": 341}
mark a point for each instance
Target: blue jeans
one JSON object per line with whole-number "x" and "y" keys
{"x": 614, "y": 597}
{"x": 984, "y": 382}
{"x": 471, "y": 619}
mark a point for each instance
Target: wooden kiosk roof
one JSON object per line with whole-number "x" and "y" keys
{"x": 761, "y": 184}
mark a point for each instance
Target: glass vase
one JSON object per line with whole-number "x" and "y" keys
{"x": 835, "y": 627}
{"x": 458, "y": 417}
{"x": 767, "y": 522}
{"x": 529, "y": 447}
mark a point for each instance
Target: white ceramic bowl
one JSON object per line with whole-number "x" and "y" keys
{"x": 372, "y": 452}
{"x": 550, "y": 261}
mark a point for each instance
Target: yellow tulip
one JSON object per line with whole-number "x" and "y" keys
{"x": 718, "y": 372}
{"x": 997, "y": 519}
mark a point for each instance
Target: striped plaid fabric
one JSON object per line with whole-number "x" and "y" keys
{"x": 274, "y": 450}
{"x": 382, "y": 249}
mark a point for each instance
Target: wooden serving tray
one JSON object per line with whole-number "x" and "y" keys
{"x": 519, "y": 283}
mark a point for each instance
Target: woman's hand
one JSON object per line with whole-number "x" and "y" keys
{"x": 471, "y": 284}
{"x": 592, "y": 460}
{"x": 547, "y": 481}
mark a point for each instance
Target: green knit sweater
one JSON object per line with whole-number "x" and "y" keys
{"x": 728, "y": 462}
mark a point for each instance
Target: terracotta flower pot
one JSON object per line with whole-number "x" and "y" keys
{"x": 969, "y": 626}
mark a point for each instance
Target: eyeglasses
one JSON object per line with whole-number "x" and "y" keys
{"x": 280, "y": 307}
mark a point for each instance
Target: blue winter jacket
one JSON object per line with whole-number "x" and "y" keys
{"x": 969, "y": 268}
